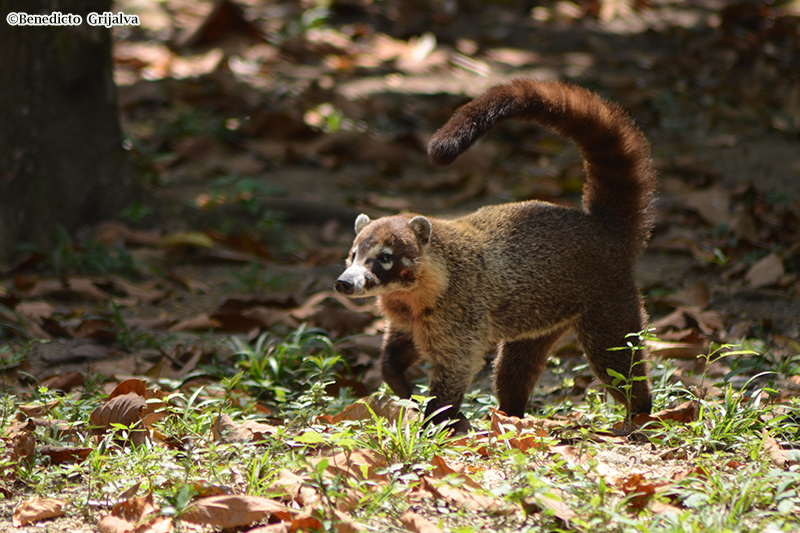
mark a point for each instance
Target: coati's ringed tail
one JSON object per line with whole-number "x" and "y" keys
{"x": 620, "y": 181}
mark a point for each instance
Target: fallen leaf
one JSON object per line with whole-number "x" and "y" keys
{"x": 127, "y": 410}
{"x": 713, "y": 205}
{"x": 461, "y": 498}
{"x": 684, "y": 413}
{"x": 23, "y": 446}
{"x": 70, "y": 289}
{"x": 225, "y": 429}
{"x": 358, "y": 464}
{"x": 294, "y": 488}
{"x": 64, "y": 382}
{"x": 38, "y": 409}
{"x": 114, "y": 524}
{"x": 201, "y": 322}
{"x": 777, "y": 454}
{"x": 676, "y": 350}
{"x": 344, "y": 524}
{"x": 35, "y": 310}
{"x": 768, "y": 271}
{"x": 37, "y": 509}
{"x": 135, "y": 509}
{"x": 97, "y": 329}
{"x": 234, "y": 511}
{"x": 638, "y": 490}
{"x": 442, "y": 468}
{"x": 554, "y": 501}
{"x": 384, "y": 406}
{"x": 64, "y": 454}
{"x": 418, "y": 523}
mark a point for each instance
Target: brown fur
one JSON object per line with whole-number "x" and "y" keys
{"x": 518, "y": 274}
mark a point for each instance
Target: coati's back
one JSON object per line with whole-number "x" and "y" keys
{"x": 620, "y": 181}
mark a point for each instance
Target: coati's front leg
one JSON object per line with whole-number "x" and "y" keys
{"x": 398, "y": 354}
{"x": 447, "y": 388}
{"x": 517, "y": 369}
{"x": 453, "y": 367}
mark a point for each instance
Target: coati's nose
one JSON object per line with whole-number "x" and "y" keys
{"x": 343, "y": 286}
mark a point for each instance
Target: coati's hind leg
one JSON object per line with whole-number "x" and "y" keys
{"x": 398, "y": 354}
{"x": 517, "y": 369}
{"x": 606, "y": 327}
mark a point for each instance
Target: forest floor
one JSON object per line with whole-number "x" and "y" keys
{"x": 207, "y": 315}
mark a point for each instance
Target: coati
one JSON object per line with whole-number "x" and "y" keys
{"x": 518, "y": 274}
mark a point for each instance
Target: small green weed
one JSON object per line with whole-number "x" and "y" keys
{"x": 281, "y": 370}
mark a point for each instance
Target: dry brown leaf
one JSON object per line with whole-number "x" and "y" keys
{"x": 154, "y": 410}
{"x": 23, "y": 446}
{"x": 71, "y": 289}
{"x": 662, "y": 508}
{"x": 293, "y": 487}
{"x": 677, "y": 350}
{"x": 161, "y": 524}
{"x": 305, "y": 521}
{"x": 35, "y": 310}
{"x": 776, "y": 454}
{"x": 225, "y": 429}
{"x": 713, "y": 205}
{"x": 202, "y": 322}
{"x": 358, "y": 464}
{"x": 638, "y": 490}
{"x": 146, "y": 293}
{"x": 234, "y": 511}
{"x": 97, "y": 329}
{"x": 442, "y": 468}
{"x": 529, "y": 431}
{"x": 461, "y": 498}
{"x": 553, "y": 500}
{"x": 280, "y": 527}
{"x": 767, "y": 271}
{"x": 345, "y": 524}
{"x": 418, "y": 523}
{"x": 384, "y": 406}
{"x": 697, "y": 295}
{"x": 134, "y": 385}
{"x": 38, "y": 509}
{"x": 38, "y": 409}
{"x": 64, "y": 454}
{"x": 126, "y": 409}
{"x": 114, "y": 524}
{"x": 64, "y": 382}
{"x": 684, "y": 413}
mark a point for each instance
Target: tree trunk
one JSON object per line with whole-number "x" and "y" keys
{"x": 61, "y": 156}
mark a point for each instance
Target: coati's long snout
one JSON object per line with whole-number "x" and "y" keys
{"x": 518, "y": 275}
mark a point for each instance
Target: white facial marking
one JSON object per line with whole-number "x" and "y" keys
{"x": 385, "y": 258}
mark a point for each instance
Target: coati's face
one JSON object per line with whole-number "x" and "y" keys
{"x": 385, "y": 256}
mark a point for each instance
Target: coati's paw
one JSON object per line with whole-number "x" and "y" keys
{"x": 455, "y": 420}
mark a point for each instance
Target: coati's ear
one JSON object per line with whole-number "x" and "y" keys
{"x": 361, "y": 221}
{"x": 421, "y": 227}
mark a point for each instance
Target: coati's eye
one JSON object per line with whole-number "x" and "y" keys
{"x": 385, "y": 257}
{"x": 353, "y": 256}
